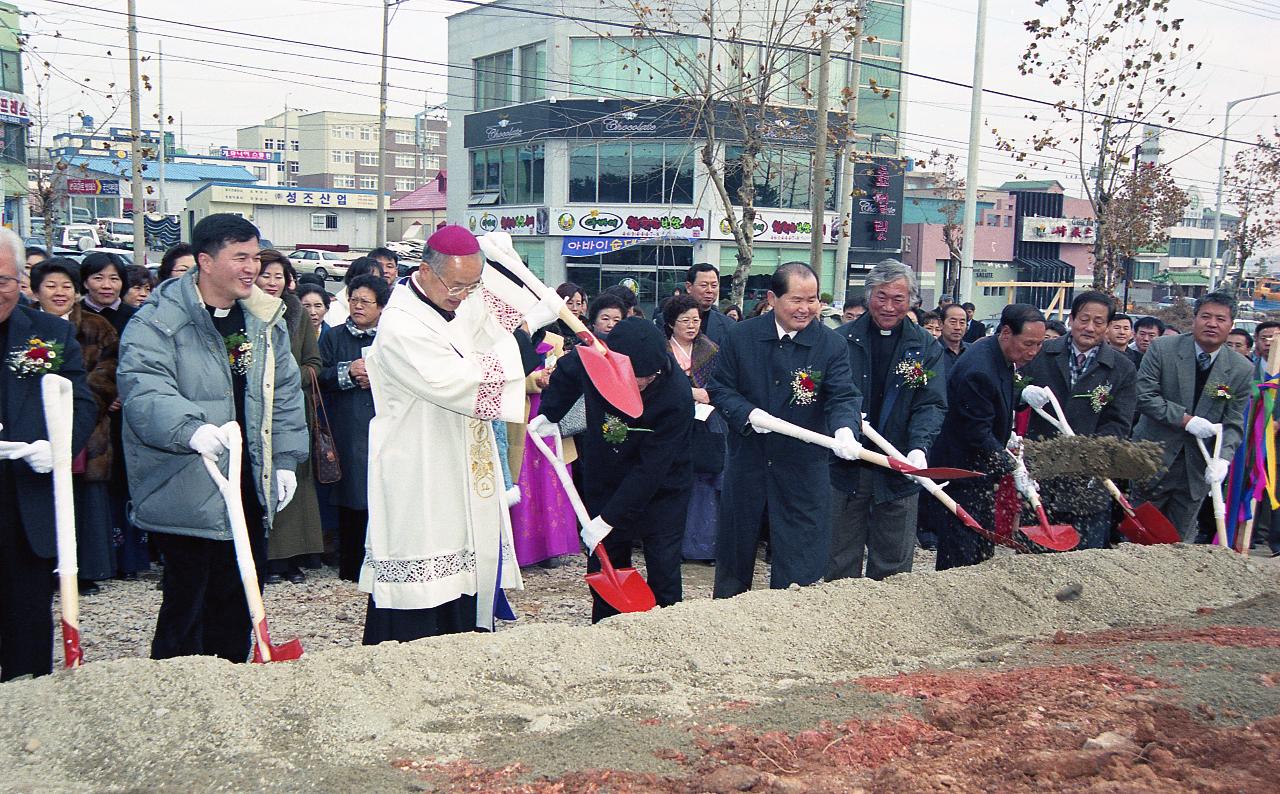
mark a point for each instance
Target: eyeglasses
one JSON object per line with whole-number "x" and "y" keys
{"x": 689, "y": 321}
{"x": 455, "y": 292}
{"x": 360, "y": 302}
{"x": 9, "y": 282}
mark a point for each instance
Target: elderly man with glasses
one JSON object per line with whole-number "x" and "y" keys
{"x": 444, "y": 364}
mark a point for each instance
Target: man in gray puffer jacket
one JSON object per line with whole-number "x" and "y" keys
{"x": 205, "y": 349}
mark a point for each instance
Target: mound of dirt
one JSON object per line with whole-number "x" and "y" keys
{"x": 1093, "y": 456}
{"x": 573, "y": 698}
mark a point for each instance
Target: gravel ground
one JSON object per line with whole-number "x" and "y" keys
{"x": 326, "y": 612}
{"x": 569, "y": 696}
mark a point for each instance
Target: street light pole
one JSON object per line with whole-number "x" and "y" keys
{"x": 971, "y": 173}
{"x": 1222, "y": 173}
{"x": 382, "y": 129}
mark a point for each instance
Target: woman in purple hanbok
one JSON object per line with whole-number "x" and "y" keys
{"x": 696, "y": 355}
{"x": 542, "y": 522}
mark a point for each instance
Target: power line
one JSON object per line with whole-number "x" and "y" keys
{"x": 650, "y": 29}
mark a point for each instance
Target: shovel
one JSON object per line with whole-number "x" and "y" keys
{"x": 1057, "y": 537}
{"x": 229, "y": 487}
{"x": 610, "y": 371}
{"x": 1219, "y": 506}
{"x": 941, "y": 495}
{"x": 55, "y": 392}
{"x": 1145, "y": 524}
{"x": 624, "y": 589}
{"x": 784, "y": 427}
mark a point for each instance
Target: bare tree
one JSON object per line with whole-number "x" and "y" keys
{"x": 1121, "y": 64}
{"x": 1253, "y": 184}
{"x": 948, "y": 186}
{"x": 757, "y": 59}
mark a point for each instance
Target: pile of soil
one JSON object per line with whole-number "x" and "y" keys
{"x": 1093, "y": 456}
{"x": 671, "y": 699}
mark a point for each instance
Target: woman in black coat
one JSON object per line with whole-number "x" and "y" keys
{"x": 345, "y": 384}
{"x": 637, "y": 473}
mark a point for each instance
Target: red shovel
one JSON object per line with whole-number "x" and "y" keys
{"x": 55, "y": 392}
{"x": 1056, "y": 537}
{"x": 624, "y": 589}
{"x": 229, "y": 487}
{"x": 610, "y": 372}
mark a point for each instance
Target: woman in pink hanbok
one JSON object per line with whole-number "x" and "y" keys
{"x": 542, "y": 522}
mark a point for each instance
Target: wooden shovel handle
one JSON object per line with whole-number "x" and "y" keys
{"x": 813, "y": 437}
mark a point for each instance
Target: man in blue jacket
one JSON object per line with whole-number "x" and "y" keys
{"x": 898, "y": 368}
{"x": 208, "y": 348}
{"x": 28, "y": 538}
{"x": 787, "y": 364}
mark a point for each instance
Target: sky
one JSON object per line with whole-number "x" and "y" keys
{"x": 216, "y": 82}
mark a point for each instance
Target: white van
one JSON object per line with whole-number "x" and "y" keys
{"x": 116, "y": 231}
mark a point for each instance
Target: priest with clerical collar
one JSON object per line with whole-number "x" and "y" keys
{"x": 444, "y": 364}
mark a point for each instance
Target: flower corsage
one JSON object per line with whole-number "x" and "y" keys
{"x": 1099, "y": 397}
{"x": 37, "y": 358}
{"x": 804, "y": 386}
{"x": 914, "y": 375}
{"x": 239, "y": 353}
{"x": 1220, "y": 391}
{"x": 615, "y": 430}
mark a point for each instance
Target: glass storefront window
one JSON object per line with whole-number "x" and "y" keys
{"x": 513, "y": 173}
{"x": 782, "y": 177}
{"x": 614, "y": 173}
{"x": 646, "y": 173}
{"x": 493, "y": 80}
{"x": 639, "y": 173}
{"x": 582, "y": 174}
{"x": 679, "y": 173}
{"x": 630, "y": 66}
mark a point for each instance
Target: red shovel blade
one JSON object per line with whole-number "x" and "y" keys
{"x": 613, "y": 377}
{"x": 1148, "y": 526}
{"x": 624, "y": 589}
{"x": 71, "y": 645}
{"x": 934, "y": 473}
{"x": 285, "y": 652}
{"x": 1058, "y": 537}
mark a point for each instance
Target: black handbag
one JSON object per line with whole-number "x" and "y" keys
{"x": 324, "y": 452}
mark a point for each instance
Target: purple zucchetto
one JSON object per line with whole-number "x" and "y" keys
{"x": 453, "y": 240}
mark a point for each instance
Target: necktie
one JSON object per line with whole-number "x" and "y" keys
{"x": 1203, "y": 361}
{"x": 1080, "y": 359}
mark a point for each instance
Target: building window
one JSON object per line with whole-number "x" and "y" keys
{"x": 260, "y": 172}
{"x": 493, "y": 80}
{"x": 533, "y": 72}
{"x": 368, "y": 183}
{"x": 405, "y": 161}
{"x": 336, "y": 156}
{"x": 291, "y": 183}
{"x": 632, "y": 173}
{"x": 10, "y": 71}
{"x": 994, "y": 292}
{"x": 293, "y": 166}
{"x": 507, "y": 175}
{"x": 782, "y": 177}
{"x": 294, "y": 146}
{"x": 335, "y": 132}
{"x": 349, "y": 133}
{"x": 430, "y": 140}
{"x": 405, "y": 185}
{"x": 344, "y": 181}
{"x": 404, "y": 138}
{"x": 324, "y": 221}
{"x": 630, "y": 66}
{"x": 268, "y": 143}
{"x": 280, "y": 168}
{"x": 366, "y": 133}
{"x": 368, "y": 158}
{"x": 15, "y": 144}
{"x": 431, "y": 162}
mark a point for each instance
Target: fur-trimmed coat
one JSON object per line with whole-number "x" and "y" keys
{"x": 100, "y": 347}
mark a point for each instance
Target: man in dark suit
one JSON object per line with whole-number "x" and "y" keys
{"x": 1187, "y": 386}
{"x": 788, "y": 364}
{"x": 1096, "y": 385}
{"x": 1119, "y": 334}
{"x": 955, "y": 321}
{"x": 976, "y": 329}
{"x": 703, "y": 285}
{"x": 897, "y": 366}
{"x": 975, "y": 432}
{"x": 28, "y": 536}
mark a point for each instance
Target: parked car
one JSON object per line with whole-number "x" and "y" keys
{"x": 325, "y": 264}
{"x": 125, "y": 254}
{"x": 73, "y": 233}
{"x": 116, "y": 231}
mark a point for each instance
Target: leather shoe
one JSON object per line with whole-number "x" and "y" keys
{"x": 88, "y": 588}
{"x": 273, "y": 578}
{"x": 297, "y": 577}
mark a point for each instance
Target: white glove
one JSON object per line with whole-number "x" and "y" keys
{"x": 545, "y": 312}
{"x": 542, "y": 426}
{"x": 286, "y": 487}
{"x": 511, "y": 496}
{"x": 1014, "y": 443}
{"x": 1023, "y": 482}
{"x": 209, "y": 441}
{"x": 847, "y": 446}
{"x": 916, "y": 458}
{"x": 1200, "y": 427}
{"x": 755, "y": 417}
{"x": 1035, "y": 396}
{"x": 1215, "y": 471}
{"x": 37, "y": 454}
{"x": 594, "y": 532}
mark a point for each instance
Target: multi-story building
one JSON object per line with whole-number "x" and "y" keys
{"x": 576, "y": 139}
{"x": 336, "y": 150}
{"x": 13, "y": 123}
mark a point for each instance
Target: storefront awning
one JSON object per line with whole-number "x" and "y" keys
{"x": 594, "y": 246}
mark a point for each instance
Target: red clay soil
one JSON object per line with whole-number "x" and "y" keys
{"x": 1221, "y": 636}
{"x": 1020, "y": 729}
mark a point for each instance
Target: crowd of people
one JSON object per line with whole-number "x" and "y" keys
{"x": 387, "y": 428}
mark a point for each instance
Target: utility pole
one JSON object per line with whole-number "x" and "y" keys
{"x": 284, "y": 158}
{"x": 1222, "y": 173}
{"x": 817, "y": 182}
{"x": 135, "y": 151}
{"x": 382, "y": 129}
{"x": 971, "y": 172}
{"x": 848, "y": 154}
{"x": 162, "y": 198}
